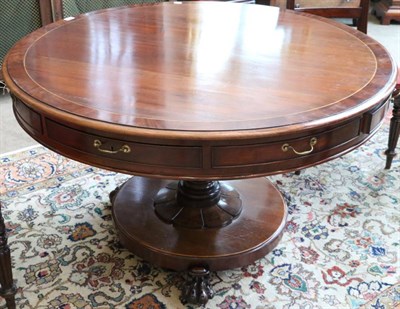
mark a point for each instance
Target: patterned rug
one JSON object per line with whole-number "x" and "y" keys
{"x": 340, "y": 249}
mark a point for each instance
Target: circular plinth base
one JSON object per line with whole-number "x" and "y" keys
{"x": 249, "y": 237}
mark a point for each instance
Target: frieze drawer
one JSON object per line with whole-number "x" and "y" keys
{"x": 129, "y": 151}
{"x": 31, "y": 120}
{"x": 256, "y": 154}
{"x": 372, "y": 119}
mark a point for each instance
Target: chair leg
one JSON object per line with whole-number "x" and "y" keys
{"x": 8, "y": 288}
{"x": 394, "y": 130}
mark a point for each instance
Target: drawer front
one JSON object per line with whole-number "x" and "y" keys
{"x": 122, "y": 150}
{"x": 258, "y": 154}
{"x": 30, "y": 119}
{"x": 373, "y": 119}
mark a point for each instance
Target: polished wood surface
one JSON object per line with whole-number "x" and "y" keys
{"x": 193, "y": 88}
{"x": 199, "y": 92}
{"x": 157, "y": 72}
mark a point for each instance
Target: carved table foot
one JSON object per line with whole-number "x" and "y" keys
{"x": 197, "y": 289}
{"x": 220, "y": 225}
{"x": 113, "y": 193}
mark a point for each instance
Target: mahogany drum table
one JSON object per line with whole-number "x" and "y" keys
{"x": 199, "y": 101}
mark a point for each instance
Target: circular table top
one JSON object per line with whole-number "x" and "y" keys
{"x": 198, "y": 67}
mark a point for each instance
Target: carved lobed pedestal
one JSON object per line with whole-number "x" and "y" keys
{"x": 198, "y": 226}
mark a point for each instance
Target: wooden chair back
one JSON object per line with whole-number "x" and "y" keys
{"x": 359, "y": 14}
{"x": 67, "y": 8}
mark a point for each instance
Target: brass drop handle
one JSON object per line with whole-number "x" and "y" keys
{"x": 313, "y": 142}
{"x": 97, "y": 144}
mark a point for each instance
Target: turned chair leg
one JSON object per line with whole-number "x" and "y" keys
{"x": 8, "y": 288}
{"x": 394, "y": 130}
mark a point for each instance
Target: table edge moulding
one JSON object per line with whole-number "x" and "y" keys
{"x": 199, "y": 134}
